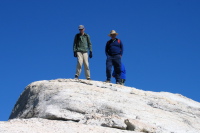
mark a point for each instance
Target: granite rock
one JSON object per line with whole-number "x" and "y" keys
{"x": 108, "y": 105}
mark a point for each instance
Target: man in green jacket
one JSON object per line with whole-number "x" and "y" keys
{"x": 82, "y": 45}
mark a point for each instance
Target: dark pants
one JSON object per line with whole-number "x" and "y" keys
{"x": 115, "y": 61}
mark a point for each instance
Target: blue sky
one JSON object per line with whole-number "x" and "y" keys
{"x": 161, "y": 43}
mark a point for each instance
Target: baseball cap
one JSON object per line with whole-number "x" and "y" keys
{"x": 81, "y": 27}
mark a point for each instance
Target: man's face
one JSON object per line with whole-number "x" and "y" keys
{"x": 113, "y": 35}
{"x": 81, "y": 30}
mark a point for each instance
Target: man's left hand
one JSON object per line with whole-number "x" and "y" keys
{"x": 90, "y": 55}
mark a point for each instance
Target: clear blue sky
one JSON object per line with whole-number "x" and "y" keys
{"x": 161, "y": 43}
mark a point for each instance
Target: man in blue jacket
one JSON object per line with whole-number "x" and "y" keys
{"x": 114, "y": 52}
{"x": 123, "y": 74}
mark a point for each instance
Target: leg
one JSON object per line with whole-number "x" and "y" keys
{"x": 79, "y": 63}
{"x": 117, "y": 67}
{"x": 86, "y": 65}
{"x": 108, "y": 68}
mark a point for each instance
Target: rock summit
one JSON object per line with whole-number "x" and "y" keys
{"x": 68, "y": 105}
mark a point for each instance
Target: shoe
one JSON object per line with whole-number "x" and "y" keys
{"x": 123, "y": 81}
{"x": 76, "y": 77}
{"x": 118, "y": 83}
{"x": 88, "y": 78}
{"x": 107, "y": 81}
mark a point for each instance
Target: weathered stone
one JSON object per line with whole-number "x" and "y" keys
{"x": 136, "y": 125}
{"x": 109, "y": 105}
{"x": 38, "y": 125}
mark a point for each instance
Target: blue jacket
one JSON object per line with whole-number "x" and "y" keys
{"x": 123, "y": 72}
{"x": 114, "y": 47}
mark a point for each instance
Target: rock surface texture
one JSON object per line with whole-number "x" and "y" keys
{"x": 38, "y": 125}
{"x": 94, "y": 106}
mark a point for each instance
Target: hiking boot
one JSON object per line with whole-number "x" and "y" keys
{"x": 107, "y": 81}
{"x": 123, "y": 81}
{"x": 119, "y": 83}
{"x": 76, "y": 77}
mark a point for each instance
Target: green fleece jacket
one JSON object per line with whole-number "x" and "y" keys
{"x": 82, "y": 43}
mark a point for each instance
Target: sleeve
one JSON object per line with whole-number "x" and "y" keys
{"x": 106, "y": 49}
{"x": 123, "y": 69}
{"x": 124, "y": 72}
{"x": 122, "y": 48}
{"x": 75, "y": 43}
{"x": 89, "y": 43}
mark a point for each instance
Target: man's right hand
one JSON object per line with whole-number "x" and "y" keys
{"x": 75, "y": 54}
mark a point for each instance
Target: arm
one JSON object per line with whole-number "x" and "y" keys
{"x": 106, "y": 48}
{"x": 123, "y": 69}
{"x": 89, "y": 43}
{"x": 122, "y": 48}
{"x": 75, "y": 43}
